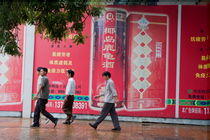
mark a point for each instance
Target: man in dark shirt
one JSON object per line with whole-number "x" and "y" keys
{"x": 42, "y": 99}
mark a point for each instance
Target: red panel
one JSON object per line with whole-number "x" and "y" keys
{"x": 11, "y": 79}
{"x": 80, "y": 57}
{"x": 195, "y": 61}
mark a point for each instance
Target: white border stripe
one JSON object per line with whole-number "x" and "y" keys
{"x": 167, "y": 62}
{"x": 27, "y": 72}
{"x": 91, "y": 62}
{"x": 178, "y": 60}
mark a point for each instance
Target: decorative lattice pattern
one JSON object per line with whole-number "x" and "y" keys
{"x": 142, "y": 61}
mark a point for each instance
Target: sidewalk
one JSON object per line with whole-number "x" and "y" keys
{"x": 19, "y": 129}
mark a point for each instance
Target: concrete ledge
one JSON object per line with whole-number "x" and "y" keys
{"x": 142, "y": 119}
{"x": 10, "y": 114}
{"x": 121, "y": 118}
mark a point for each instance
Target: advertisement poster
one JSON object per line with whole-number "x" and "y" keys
{"x": 147, "y": 61}
{"x": 58, "y": 57}
{"x": 136, "y": 44}
{"x": 195, "y": 63}
{"x": 11, "y": 78}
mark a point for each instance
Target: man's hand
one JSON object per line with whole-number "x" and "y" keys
{"x": 35, "y": 98}
{"x": 97, "y": 96}
{"x": 115, "y": 99}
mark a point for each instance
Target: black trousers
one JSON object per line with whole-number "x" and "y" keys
{"x": 67, "y": 106}
{"x": 40, "y": 108}
{"x": 108, "y": 108}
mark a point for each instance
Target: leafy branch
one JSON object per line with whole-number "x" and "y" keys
{"x": 56, "y": 19}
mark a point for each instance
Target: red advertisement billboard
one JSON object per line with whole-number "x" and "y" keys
{"x": 108, "y": 53}
{"x": 58, "y": 57}
{"x": 147, "y": 61}
{"x": 11, "y": 78}
{"x": 136, "y": 43}
{"x": 195, "y": 63}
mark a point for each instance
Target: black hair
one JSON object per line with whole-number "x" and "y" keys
{"x": 71, "y": 72}
{"x": 45, "y": 70}
{"x": 106, "y": 73}
{"x": 38, "y": 69}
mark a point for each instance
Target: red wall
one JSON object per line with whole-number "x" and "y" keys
{"x": 195, "y": 63}
{"x": 155, "y": 95}
{"x": 142, "y": 56}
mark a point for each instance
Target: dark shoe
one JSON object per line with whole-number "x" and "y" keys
{"x": 55, "y": 122}
{"x": 93, "y": 126}
{"x": 67, "y": 122}
{"x": 34, "y": 125}
{"x": 116, "y": 129}
{"x": 73, "y": 118}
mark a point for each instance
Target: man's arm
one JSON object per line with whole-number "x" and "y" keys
{"x": 39, "y": 89}
{"x": 98, "y": 96}
{"x": 70, "y": 86}
{"x": 113, "y": 90}
{"x": 41, "y": 85}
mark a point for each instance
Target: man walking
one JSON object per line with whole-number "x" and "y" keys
{"x": 39, "y": 78}
{"x": 42, "y": 99}
{"x": 69, "y": 99}
{"x": 110, "y": 97}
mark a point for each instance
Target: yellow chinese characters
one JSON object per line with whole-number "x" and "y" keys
{"x": 198, "y": 38}
{"x": 202, "y": 75}
{"x": 204, "y": 66}
{"x": 108, "y": 64}
{"x": 61, "y": 54}
{"x": 60, "y": 62}
{"x": 56, "y": 70}
{"x": 205, "y": 57}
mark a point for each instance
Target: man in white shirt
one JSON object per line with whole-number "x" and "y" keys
{"x": 69, "y": 99}
{"x": 110, "y": 98}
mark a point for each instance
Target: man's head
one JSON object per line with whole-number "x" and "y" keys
{"x": 106, "y": 75}
{"x": 38, "y": 70}
{"x": 43, "y": 71}
{"x": 70, "y": 73}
